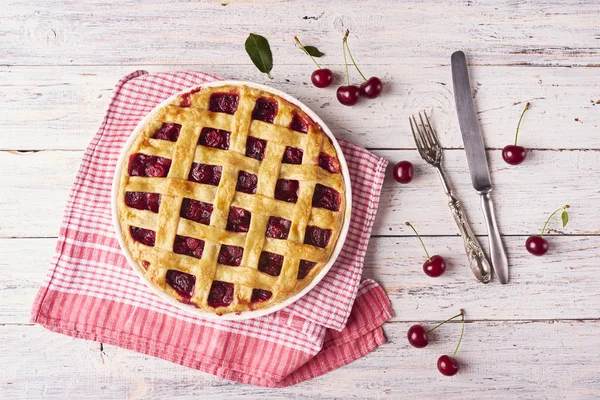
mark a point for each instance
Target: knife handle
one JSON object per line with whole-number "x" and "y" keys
{"x": 497, "y": 252}
{"x": 477, "y": 261}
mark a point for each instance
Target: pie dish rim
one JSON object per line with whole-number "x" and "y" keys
{"x": 232, "y": 316}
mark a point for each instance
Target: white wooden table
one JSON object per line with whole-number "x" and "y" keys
{"x": 537, "y": 337}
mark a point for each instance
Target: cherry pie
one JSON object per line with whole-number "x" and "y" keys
{"x": 231, "y": 199}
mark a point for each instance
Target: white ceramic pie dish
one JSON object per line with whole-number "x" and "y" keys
{"x": 245, "y": 314}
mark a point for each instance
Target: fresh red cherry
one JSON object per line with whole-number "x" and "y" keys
{"x": 322, "y": 78}
{"x": 536, "y": 245}
{"x": 447, "y": 365}
{"x": 371, "y": 88}
{"x": 435, "y": 266}
{"x": 403, "y": 172}
{"x": 417, "y": 336}
{"x": 348, "y": 95}
{"x": 514, "y": 155}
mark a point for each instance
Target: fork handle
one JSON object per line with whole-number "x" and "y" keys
{"x": 477, "y": 261}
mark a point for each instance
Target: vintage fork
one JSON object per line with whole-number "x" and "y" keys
{"x": 431, "y": 151}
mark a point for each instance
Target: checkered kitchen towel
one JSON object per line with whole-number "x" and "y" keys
{"x": 91, "y": 292}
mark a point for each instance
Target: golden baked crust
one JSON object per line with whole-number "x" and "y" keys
{"x": 191, "y": 111}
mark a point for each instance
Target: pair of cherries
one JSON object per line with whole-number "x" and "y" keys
{"x": 347, "y": 95}
{"x": 417, "y": 337}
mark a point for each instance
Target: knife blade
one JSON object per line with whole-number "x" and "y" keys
{"x": 477, "y": 160}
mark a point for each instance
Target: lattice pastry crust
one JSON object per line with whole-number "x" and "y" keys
{"x": 231, "y": 175}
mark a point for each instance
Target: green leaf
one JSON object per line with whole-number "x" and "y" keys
{"x": 565, "y": 218}
{"x": 313, "y": 51}
{"x": 259, "y": 51}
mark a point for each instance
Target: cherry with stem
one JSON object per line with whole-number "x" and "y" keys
{"x": 536, "y": 244}
{"x": 347, "y": 95}
{"x": 514, "y": 154}
{"x": 322, "y": 77}
{"x": 370, "y": 88}
{"x": 435, "y": 265}
{"x": 447, "y": 365}
{"x": 417, "y": 335}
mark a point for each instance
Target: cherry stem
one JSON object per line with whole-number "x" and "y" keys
{"x": 442, "y": 323}
{"x": 307, "y": 53}
{"x": 519, "y": 124}
{"x": 552, "y": 215}
{"x": 345, "y": 60}
{"x": 352, "y": 58}
{"x": 421, "y": 240}
{"x": 461, "y": 333}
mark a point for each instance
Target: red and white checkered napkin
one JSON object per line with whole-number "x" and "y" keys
{"x": 91, "y": 292}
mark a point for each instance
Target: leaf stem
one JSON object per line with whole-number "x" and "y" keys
{"x": 421, "y": 240}
{"x": 350, "y": 53}
{"x": 519, "y": 124}
{"x": 442, "y": 323}
{"x": 304, "y": 50}
{"x": 461, "y": 333}
{"x": 552, "y": 215}
{"x": 345, "y": 60}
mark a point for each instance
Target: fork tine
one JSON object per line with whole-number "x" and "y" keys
{"x": 425, "y": 132}
{"x": 431, "y": 131}
{"x": 416, "y": 134}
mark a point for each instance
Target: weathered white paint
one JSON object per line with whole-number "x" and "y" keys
{"x": 61, "y": 59}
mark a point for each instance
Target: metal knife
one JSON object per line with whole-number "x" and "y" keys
{"x": 480, "y": 174}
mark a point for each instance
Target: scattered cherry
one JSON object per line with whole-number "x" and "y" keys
{"x": 536, "y": 244}
{"x": 417, "y": 336}
{"x": 322, "y": 77}
{"x": 434, "y": 266}
{"x": 370, "y": 88}
{"x": 403, "y": 172}
{"x": 513, "y": 154}
{"x": 348, "y": 95}
{"x": 447, "y": 365}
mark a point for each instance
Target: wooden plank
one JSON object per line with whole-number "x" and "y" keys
{"x": 62, "y": 107}
{"x": 37, "y": 184}
{"x": 561, "y": 285}
{"x": 499, "y": 360}
{"x": 417, "y": 33}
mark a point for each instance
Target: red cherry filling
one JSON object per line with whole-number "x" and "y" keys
{"x": 168, "y": 132}
{"x": 186, "y": 98}
{"x": 304, "y": 268}
{"x": 259, "y": 295}
{"x": 265, "y": 110}
{"x": 212, "y": 137}
{"x": 230, "y": 255}
{"x": 188, "y": 246}
{"x": 238, "y": 220}
{"x": 144, "y": 236}
{"x": 221, "y": 294}
{"x": 317, "y": 236}
{"x": 195, "y": 210}
{"x": 287, "y": 190}
{"x": 292, "y": 155}
{"x": 152, "y": 166}
{"x": 299, "y": 124}
{"x": 204, "y": 173}
{"x": 329, "y": 163}
{"x": 270, "y": 263}
{"x": 255, "y": 148}
{"x": 278, "y": 228}
{"x": 326, "y": 197}
{"x": 182, "y": 283}
{"x": 246, "y": 182}
{"x": 223, "y": 102}
{"x": 143, "y": 201}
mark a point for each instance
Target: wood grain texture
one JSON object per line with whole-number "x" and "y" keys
{"x": 537, "y": 337}
{"x": 38, "y": 184}
{"x": 552, "y": 366}
{"x": 564, "y": 113}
